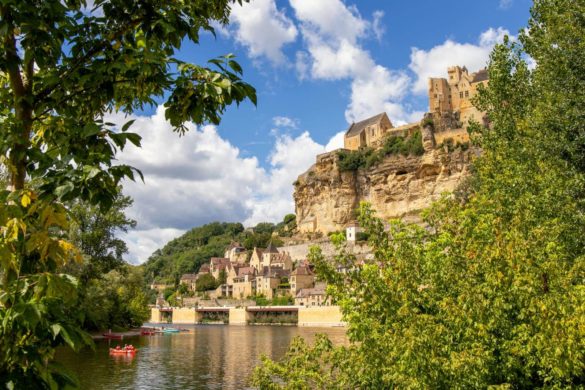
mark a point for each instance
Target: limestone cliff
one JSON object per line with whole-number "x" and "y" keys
{"x": 326, "y": 198}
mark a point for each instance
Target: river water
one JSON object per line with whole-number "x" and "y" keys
{"x": 206, "y": 357}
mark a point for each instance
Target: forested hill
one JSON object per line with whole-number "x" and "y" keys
{"x": 188, "y": 252}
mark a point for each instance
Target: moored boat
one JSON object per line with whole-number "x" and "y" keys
{"x": 171, "y": 330}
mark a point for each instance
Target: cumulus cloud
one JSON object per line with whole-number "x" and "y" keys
{"x": 289, "y": 158}
{"x": 263, "y": 29}
{"x": 201, "y": 177}
{"x": 434, "y": 62}
{"x": 336, "y": 142}
{"x": 332, "y": 32}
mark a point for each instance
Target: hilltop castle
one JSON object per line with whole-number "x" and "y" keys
{"x": 449, "y": 104}
{"x": 399, "y": 186}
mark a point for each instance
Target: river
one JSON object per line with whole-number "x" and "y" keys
{"x": 206, "y": 357}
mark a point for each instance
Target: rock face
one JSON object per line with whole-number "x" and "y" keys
{"x": 399, "y": 187}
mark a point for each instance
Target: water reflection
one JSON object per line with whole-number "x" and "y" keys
{"x": 210, "y": 357}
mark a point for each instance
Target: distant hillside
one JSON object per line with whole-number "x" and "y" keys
{"x": 188, "y": 252}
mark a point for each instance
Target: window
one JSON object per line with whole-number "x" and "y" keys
{"x": 461, "y": 95}
{"x": 466, "y": 93}
{"x": 435, "y": 96}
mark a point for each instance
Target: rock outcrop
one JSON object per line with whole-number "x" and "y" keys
{"x": 398, "y": 187}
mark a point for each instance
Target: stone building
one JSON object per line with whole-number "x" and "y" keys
{"x": 269, "y": 279}
{"x": 315, "y": 296}
{"x": 368, "y": 132}
{"x": 301, "y": 277}
{"x": 235, "y": 252}
{"x": 189, "y": 280}
{"x": 244, "y": 285}
{"x": 270, "y": 257}
{"x": 453, "y": 95}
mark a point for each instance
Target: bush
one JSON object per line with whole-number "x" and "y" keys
{"x": 352, "y": 160}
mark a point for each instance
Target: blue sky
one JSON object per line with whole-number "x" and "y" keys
{"x": 317, "y": 65}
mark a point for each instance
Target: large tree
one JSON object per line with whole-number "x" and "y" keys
{"x": 62, "y": 68}
{"x": 491, "y": 293}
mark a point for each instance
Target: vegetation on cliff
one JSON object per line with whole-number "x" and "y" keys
{"x": 492, "y": 293}
{"x": 351, "y": 160}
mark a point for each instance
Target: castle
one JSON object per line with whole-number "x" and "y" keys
{"x": 326, "y": 197}
{"x": 449, "y": 104}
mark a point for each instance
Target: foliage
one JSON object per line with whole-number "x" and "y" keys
{"x": 118, "y": 300}
{"x": 491, "y": 293}
{"x": 95, "y": 233}
{"x": 450, "y": 145}
{"x": 62, "y": 68}
{"x": 206, "y": 282}
{"x": 222, "y": 277}
{"x": 351, "y": 160}
{"x": 288, "y": 226}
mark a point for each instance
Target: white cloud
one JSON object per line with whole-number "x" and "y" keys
{"x": 263, "y": 29}
{"x": 332, "y": 32}
{"x": 284, "y": 121}
{"x": 330, "y": 19}
{"x": 289, "y": 158}
{"x": 201, "y": 177}
{"x": 142, "y": 243}
{"x": 434, "y": 62}
{"x": 336, "y": 142}
{"x": 379, "y": 92}
{"x": 377, "y": 25}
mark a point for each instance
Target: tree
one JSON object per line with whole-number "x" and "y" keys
{"x": 205, "y": 282}
{"x": 222, "y": 277}
{"x": 61, "y": 69}
{"x": 491, "y": 293}
{"x": 95, "y": 233}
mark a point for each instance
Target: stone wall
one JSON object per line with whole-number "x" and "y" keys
{"x": 300, "y": 251}
{"x": 325, "y": 316}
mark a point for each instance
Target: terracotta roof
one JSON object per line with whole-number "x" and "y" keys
{"x": 204, "y": 268}
{"x": 189, "y": 277}
{"x": 307, "y": 292}
{"x": 357, "y": 128}
{"x": 246, "y": 271}
{"x": 219, "y": 261}
{"x": 302, "y": 270}
{"x": 481, "y": 75}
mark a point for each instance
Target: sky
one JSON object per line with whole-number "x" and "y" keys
{"x": 317, "y": 66}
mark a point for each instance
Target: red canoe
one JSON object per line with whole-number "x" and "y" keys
{"x": 122, "y": 351}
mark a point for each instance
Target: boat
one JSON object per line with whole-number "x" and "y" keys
{"x": 127, "y": 350}
{"x": 147, "y": 331}
{"x": 171, "y": 330}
